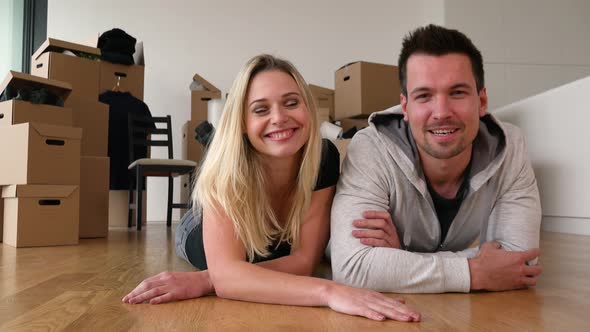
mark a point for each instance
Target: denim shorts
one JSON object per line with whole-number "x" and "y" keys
{"x": 188, "y": 223}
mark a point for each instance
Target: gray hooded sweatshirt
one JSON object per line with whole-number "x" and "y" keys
{"x": 382, "y": 172}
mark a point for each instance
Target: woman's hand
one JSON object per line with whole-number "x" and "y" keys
{"x": 370, "y": 304}
{"x": 171, "y": 286}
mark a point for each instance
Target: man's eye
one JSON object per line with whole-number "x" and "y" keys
{"x": 422, "y": 96}
{"x": 458, "y": 93}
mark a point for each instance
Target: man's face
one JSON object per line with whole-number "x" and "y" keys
{"x": 443, "y": 105}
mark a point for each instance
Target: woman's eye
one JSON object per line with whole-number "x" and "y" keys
{"x": 259, "y": 110}
{"x": 291, "y": 103}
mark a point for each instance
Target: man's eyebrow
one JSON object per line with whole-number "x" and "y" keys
{"x": 461, "y": 85}
{"x": 420, "y": 89}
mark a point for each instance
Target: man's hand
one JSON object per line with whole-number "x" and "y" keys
{"x": 496, "y": 269}
{"x": 379, "y": 230}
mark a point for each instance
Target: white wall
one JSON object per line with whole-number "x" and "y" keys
{"x": 529, "y": 46}
{"x": 555, "y": 126}
{"x": 214, "y": 38}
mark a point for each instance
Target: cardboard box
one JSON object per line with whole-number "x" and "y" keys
{"x": 347, "y": 124}
{"x": 93, "y": 118}
{"x": 342, "y": 146}
{"x": 80, "y": 71}
{"x": 363, "y": 88}
{"x": 40, "y": 215}
{"x": 324, "y": 100}
{"x": 119, "y": 207}
{"x": 191, "y": 149}
{"x": 94, "y": 197}
{"x": 20, "y": 111}
{"x": 129, "y": 77}
{"x": 200, "y": 98}
{"x": 34, "y": 153}
{"x": 1, "y": 215}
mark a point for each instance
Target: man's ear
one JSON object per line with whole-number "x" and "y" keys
{"x": 483, "y": 102}
{"x": 404, "y": 101}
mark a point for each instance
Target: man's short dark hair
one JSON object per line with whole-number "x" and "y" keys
{"x": 436, "y": 40}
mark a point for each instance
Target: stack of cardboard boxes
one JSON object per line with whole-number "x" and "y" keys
{"x": 324, "y": 101}
{"x": 362, "y": 88}
{"x": 123, "y": 78}
{"x": 78, "y": 65}
{"x": 191, "y": 149}
{"x": 40, "y": 171}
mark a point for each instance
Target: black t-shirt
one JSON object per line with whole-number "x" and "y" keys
{"x": 328, "y": 176}
{"x": 446, "y": 209}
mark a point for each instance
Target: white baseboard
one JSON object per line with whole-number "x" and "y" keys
{"x": 578, "y": 226}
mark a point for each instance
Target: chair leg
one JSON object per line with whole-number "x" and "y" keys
{"x": 170, "y": 193}
{"x": 130, "y": 210}
{"x": 139, "y": 199}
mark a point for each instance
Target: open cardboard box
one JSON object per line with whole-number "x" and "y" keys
{"x": 35, "y": 153}
{"x": 80, "y": 70}
{"x": 20, "y": 111}
{"x": 40, "y": 215}
{"x": 200, "y": 98}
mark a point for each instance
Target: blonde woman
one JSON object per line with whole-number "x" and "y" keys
{"x": 262, "y": 201}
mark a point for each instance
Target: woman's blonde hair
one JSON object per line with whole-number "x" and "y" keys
{"x": 232, "y": 177}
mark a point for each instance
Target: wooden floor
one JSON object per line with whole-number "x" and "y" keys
{"x": 79, "y": 288}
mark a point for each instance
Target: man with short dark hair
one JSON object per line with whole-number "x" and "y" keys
{"x": 426, "y": 180}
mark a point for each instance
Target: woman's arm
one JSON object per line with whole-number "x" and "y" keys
{"x": 313, "y": 238}
{"x": 234, "y": 278}
{"x": 174, "y": 286}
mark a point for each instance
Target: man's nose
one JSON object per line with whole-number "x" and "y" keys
{"x": 441, "y": 108}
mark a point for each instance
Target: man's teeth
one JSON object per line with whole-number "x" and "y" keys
{"x": 443, "y": 132}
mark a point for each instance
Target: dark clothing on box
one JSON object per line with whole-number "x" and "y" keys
{"x": 120, "y": 105}
{"x": 33, "y": 94}
{"x": 189, "y": 233}
{"x": 117, "y": 46}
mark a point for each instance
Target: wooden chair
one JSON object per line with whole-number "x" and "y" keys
{"x": 140, "y": 134}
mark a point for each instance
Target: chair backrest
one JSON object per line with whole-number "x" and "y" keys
{"x": 140, "y": 130}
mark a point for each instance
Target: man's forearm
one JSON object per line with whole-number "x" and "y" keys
{"x": 393, "y": 270}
